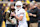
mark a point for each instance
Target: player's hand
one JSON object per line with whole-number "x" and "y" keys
{"x": 14, "y": 14}
{"x": 30, "y": 14}
{"x": 12, "y": 21}
{"x": 34, "y": 15}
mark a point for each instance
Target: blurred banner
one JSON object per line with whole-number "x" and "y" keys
{"x": 31, "y": 0}
{"x": 8, "y": 0}
{"x": 37, "y": 0}
{"x": 14, "y": 0}
{"x": 24, "y": 0}
{"x": 4, "y": 0}
{"x": 11, "y": 0}
{"x": 20, "y": 0}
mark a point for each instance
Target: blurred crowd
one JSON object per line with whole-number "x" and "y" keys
{"x": 32, "y": 12}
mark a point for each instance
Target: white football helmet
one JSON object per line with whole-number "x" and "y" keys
{"x": 18, "y": 3}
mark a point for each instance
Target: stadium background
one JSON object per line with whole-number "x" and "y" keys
{"x": 21, "y": 0}
{"x": 8, "y": 1}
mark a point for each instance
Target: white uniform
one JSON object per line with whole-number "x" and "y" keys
{"x": 23, "y": 23}
{"x": 21, "y": 12}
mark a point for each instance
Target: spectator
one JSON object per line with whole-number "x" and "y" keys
{"x": 4, "y": 13}
{"x": 36, "y": 5}
{"x": 33, "y": 17}
{"x": 24, "y": 5}
{"x": 11, "y": 21}
{"x": 1, "y": 15}
{"x": 30, "y": 7}
{"x": 27, "y": 16}
{"x": 38, "y": 14}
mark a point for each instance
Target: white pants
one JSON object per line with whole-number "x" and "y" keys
{"x": 23, "y": 25}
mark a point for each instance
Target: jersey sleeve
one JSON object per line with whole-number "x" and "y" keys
{"x": 22, "y": 13}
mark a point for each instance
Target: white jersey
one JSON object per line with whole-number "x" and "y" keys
{"x": 23, "y": 23}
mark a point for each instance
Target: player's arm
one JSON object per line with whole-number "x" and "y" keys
{"x": 34, "y": 15}
{"x": 20, "y": 17}
{"x": 7, "y": 17}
